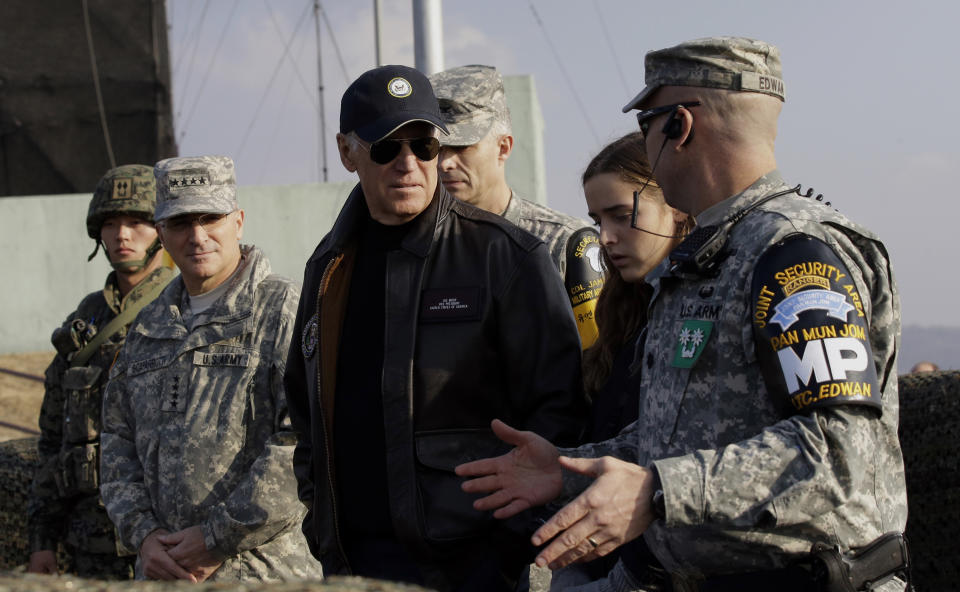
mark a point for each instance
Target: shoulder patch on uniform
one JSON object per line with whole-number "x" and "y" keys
{"x": 310, "y": 336}
{"x": 584, "y": 281}
{"x": 810, "y": 330}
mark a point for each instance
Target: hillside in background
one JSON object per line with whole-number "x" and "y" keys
{"x": 940, "y": 345}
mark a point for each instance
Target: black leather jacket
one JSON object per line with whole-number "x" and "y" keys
{"x": 478, "y": 326}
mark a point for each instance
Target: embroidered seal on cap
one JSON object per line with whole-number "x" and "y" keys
{"x": 399, "y": 87}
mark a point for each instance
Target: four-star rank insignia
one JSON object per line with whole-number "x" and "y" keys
{"x": 691, "y": 340}
{"x": 188, "y": 178}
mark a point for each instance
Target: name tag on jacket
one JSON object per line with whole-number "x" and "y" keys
{"x": 450, "y": 304}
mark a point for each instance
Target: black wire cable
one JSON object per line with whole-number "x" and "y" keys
{"x": 566, "y": 75}
{"x": 193, "y": 54}
{"x": 608, "y": 38}
{"x": 206, "y": 76}
{"x": 269, "y": 86}
{"x": 293, "y": 62}
{"x": 96, "y": 85}
{"x": 336, "y": 46}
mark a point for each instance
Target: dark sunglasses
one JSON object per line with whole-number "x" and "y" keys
{"x": 384, "y": 151}
{"x": 186, "y": 222}
{"x": 645, "y": 117}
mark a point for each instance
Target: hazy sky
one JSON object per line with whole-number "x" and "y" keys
{"x": 870, "y": 117}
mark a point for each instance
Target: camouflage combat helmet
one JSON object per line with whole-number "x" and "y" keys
{"x": 129, "y": 189}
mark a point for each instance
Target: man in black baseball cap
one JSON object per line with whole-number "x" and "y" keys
{"x": 384, "y": 99}
{"x": 422, "y": 319}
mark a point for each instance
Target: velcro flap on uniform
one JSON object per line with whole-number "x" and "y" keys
{"x": 450, "y": 304}
{"x": 81, "y": 377}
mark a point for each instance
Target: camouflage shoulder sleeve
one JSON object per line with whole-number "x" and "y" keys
{"x": 583, "y": 281}
{"x": 810, "y": 329}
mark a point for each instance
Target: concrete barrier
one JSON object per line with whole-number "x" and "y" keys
{"x": 44, "y": 246}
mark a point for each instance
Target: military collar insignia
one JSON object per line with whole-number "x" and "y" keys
{"x": 310, "y": 337}
{"x": 691, "y": 340}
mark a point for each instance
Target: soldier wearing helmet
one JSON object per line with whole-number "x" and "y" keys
{"x": 65, "y": 507}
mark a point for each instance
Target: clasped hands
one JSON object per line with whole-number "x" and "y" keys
{"x": 181, "y": 555}
{"x": 612, "y": 511}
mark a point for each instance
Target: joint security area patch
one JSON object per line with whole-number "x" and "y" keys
{"x": 584, "y": 281}
{"x": 810, "y": 330}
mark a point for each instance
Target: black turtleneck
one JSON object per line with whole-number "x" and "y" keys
{"x": 359, "y": 440}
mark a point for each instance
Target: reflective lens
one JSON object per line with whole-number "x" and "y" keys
{"x": 384, "y": 151}
{"x": 645, "y": 117}
{"x": 186, "y": 222}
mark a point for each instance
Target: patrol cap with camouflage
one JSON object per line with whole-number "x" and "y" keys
{"x": 128, "y": 189}
{"x": 195, "y": 184}
{"x": 472, "y": 100}
{"x": 729, "y": 63}
{"x": 384, "y": 99}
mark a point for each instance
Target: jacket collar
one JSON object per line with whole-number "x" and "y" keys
{"x": 234, "y": 305}
{"x": 422, "y": 229}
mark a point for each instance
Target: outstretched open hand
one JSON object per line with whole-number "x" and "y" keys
{"x": 527, "y": 476}
{"x": 615, "y": 509}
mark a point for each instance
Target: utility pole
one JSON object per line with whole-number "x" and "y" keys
{"x": 377, "y": 17}
{"x": 427, "y": 36}
{"x": 323, "y": 120}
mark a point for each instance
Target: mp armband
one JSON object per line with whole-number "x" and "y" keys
{"x": 583, "y": 281}
{"x": 810, "y": 331}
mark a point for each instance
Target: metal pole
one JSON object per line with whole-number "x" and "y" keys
{"x": 323, "y": 120}
{"x": 377, "y": 17}
{"x": 427, "y": 36}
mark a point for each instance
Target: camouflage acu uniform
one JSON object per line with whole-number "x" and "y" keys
{"x": 65, "y": 504}
{"x": 746, "y": 486}
{"x": 196, "y": 430}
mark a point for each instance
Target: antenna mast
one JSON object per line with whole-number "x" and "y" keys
{"x": 427, "y": 36}
{"x": 323, "y": 119}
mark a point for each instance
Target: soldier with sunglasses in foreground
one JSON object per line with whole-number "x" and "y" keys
{"x": 422, "y": 319}
{"x": 197, "y": 444}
